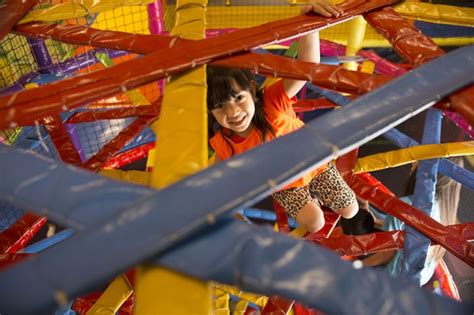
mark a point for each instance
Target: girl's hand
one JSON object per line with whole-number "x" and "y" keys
{"x": 323, "y": 7}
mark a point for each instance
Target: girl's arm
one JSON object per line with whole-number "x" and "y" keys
{"x": 380, "y": 258}
{"x": 308, "y": 46}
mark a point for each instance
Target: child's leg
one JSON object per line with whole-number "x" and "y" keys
{"x": 333, "y": 192}
{"x": 299, "y": 204}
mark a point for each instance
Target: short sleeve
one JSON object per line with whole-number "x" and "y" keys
{"x": 276, "y": 99}
{"x": 392, "y": 223}
{"x": 216, "y": 144}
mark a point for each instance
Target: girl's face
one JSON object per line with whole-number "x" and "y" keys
{"x": 237, "y": 112}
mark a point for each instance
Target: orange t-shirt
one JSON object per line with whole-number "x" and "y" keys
{"x": 279, "y": 112}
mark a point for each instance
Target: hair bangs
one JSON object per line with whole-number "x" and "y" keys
{"x": 221, "y": 84}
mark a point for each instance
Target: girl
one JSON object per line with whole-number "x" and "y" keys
{"x": 242, "y": 117}
{"x": 445, "y": 209}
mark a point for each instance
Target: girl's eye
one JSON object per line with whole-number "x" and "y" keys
{"x": 239, "y": 98}
{"x": 219, "y": 106}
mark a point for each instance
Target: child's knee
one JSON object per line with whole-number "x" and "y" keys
{"x": 311, "y": 217}
{"x": 349, "y": 211}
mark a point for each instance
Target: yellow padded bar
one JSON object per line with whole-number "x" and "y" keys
{"x": 161, "y": 291}
{"x": 240, "y": 307}
{"x": 112, "y": 298}
{"x": 77, "y": 8}
{"x": 182, "y": 143}
{"x": 222, "y": 290}
{"x": 355, "y": 40}
{"x": 135, "y": 177}
{"x": 246, "y": 16}
{"x": 440, "y": 41}
{"x": 299, "y": 232}
{"x": 221, "y": 302}
{"x": 408, "y": 155}
{"x": 437, "y": 13}
{"x": 181, "y": 130}
{"x": 182, "y": 127}
{"x": 367, "y": 67}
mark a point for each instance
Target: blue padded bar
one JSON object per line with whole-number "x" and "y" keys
{"x": 415, "y": 247}
{"x": 258, "y": 260}
{"x": 446, "y": 167}
{"x": 70, "y": 196}
{"x": 48, "y": 242}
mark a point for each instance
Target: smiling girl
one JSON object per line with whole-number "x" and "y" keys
{"x": 243, "y": 117}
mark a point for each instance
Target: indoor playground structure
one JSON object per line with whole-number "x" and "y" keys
{"x": 104, "y": 148}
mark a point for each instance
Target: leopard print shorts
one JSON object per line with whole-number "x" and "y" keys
{"x": 328, "y": 188}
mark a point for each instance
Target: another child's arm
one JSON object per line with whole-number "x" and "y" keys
{"x": 380, "y": 258}
{"x": 308, "y": 47}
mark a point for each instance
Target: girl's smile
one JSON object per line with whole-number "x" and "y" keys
{"x": 239, "y": 122}
{"x": 236, "y": 113}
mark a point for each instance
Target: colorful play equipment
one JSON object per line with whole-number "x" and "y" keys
{"x": 90, "y": 87}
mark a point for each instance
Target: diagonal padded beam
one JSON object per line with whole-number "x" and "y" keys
{"x": 414, "y": 218}
{"x": 12, "y": 11}
{"x": 417, "y": 48}
{"x": 62, "y": 140}
{"x": 89, "y": 36}
{"x": 328, "y": 76}
{"x": 96, "y": 162}
{"x": 412, "y": 45}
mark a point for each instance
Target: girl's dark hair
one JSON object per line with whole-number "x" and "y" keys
{"x": 362, "y": 223}
{"x": 220, "y": 83}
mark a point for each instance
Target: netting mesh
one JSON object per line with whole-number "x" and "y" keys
{"x": 36, "y": 138}
{"x": 237, "y": 14}
{"x": 21, "y": 67}
{"x": 229, "y": 14}
{"x": 95, "y": 135}
{"x": 130, "y": 19}
{"x": 225, "y": 14}
{"x": 15, "y": 59}
{"x": 9, "y": 136}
